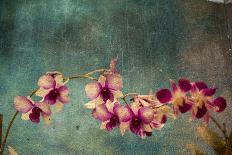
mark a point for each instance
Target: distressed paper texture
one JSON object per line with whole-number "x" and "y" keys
{"x": 155, "y": 40}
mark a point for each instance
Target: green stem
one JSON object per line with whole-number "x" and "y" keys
{"x": 87, "y": 75}
{"x": 7, "y": 132}
{"x": 222, "y": 129}
{"x": 1, "y": 120}
{"x": 3, "y": 143}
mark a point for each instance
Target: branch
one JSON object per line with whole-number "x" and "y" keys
{"x": 1, "y": 120}
{"x": 223, "y": 130}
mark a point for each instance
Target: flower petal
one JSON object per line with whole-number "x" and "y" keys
{"x": 135, "y": 107}
{"x": 44, "y": 107}
{"x": 201, "y": 85}
{"x": 209, "y": 91}
{"x": 101, "y": 113}
{"x": 123, "y": 126}
{"x": 25, "y": 116}
{"x": 92, "y": 104}
{"x": 164, "y": 95}
{"x": 156, "y": 124}
{"x": 184, "y": 107}
{"x": 124, "y": 113}
{"x": 201, "y": 111}
{"x": 59, "y": 80}
{"x": 117, "y": 94}
{"x": 147, "y": 127}
{"x": 64, "y": 98}
{"x": 47, "y": 119}
{"x": 102, "y": 80}
{"x": 220, "y": 102}
{"x": 110, "y": 105}
{"x": 92, "y": 90}
{"x": 114, "y": 81}
{"x": 146, "y": 114}
{"x": 184, "y": 85}
{"x": 58, "y": 106}
{"x": 46, "y": 81}
{"x": 34, "y": 118}
{"x": 42, "y": 92}
{"x": 22, "y": 104}
{"x": 174, "y": 86}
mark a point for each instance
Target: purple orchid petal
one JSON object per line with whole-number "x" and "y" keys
{"x": 44, "y": 107}
{"x": 22, "y": 104}
{"x": 201, "y": 112}
{"x": 107, "y": 94}
{"x": 124, "y": 113}
{"x": 209, "y": 91}
{"x": 46, "y": 81}
{"x": 63, "y": 94}
{"x": 174, "y": 86}
{"x": 146, "y": 114}
{"x": 52, "y": 96}
{"x": 164, "y": 119}
{"x": 114, "y": 81}
{"x": 114, "y": 121}
{"x": 35, "y": 115}
{"x": 101, "y": 113}
{"x": 92, "y": 90}
{"x": 185, "y": 107}
{"x": 135, "y": 125}
{"x": 220, "y": 102}
{"x": 164, "y": 95}
{"x": 201, "y": 85}
{"x": 148, "y": 134}
{"x": 184, "y": 85}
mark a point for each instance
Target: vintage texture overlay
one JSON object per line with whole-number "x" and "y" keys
{"x": 155, "y": 40}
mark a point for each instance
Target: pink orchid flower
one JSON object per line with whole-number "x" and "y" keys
{"x": 107, "y": 87}
{"x": 141, "y": 120}
{"x": 113, "y": 115}
{"x": 203, "y": 100}
{"x": 53, "y": 90}
{"x": 178, "y": 96}
{"x": 32, "y": 110}
{"x": 147, "y": 114}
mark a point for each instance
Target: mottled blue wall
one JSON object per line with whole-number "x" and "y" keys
{"x": 155, "y": 40}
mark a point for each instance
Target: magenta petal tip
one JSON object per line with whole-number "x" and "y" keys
{"x": 184, "y": 85}
{"x": 164, "y": 95}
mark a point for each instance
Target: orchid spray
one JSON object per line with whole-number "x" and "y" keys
{"x": 137, "y": 113}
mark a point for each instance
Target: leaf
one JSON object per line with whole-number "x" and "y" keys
{"x": 212, "y": 139}
{"x": 12, "y": 151}
{"x": 195, "y": 149}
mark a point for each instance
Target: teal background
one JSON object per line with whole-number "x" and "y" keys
{"x": 155, "y": 40}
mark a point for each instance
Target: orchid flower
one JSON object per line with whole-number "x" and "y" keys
{"x": 107, "y": 87}
{"x": 141, "y": 120}
{"x": 32, "y": 110}
{"x": 178, "y": 96}
{"x": 113, "y": 115}
{"x": 203, "y": 100}
{"x": 53, "y": 90}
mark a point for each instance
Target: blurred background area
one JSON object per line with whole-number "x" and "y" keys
{"x": 154, "y": 40}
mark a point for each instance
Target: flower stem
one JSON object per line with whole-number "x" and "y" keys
{"x": 8, "y": 131}
{"x": 3, "y": 143}
{"x": 129, "y": 94}
{"x": 1, "y": 120}
{"x": 87, "y": 75}
{"x": 222, "y": 129}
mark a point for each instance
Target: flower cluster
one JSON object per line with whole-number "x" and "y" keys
{"x": 141, "y": 114}
{"x": 196, "y": 97}
{"x": 52, "y": 90}
{"x": 147, "y": 112}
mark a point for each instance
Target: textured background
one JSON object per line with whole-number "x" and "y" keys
{"x": 155, "y": 40}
